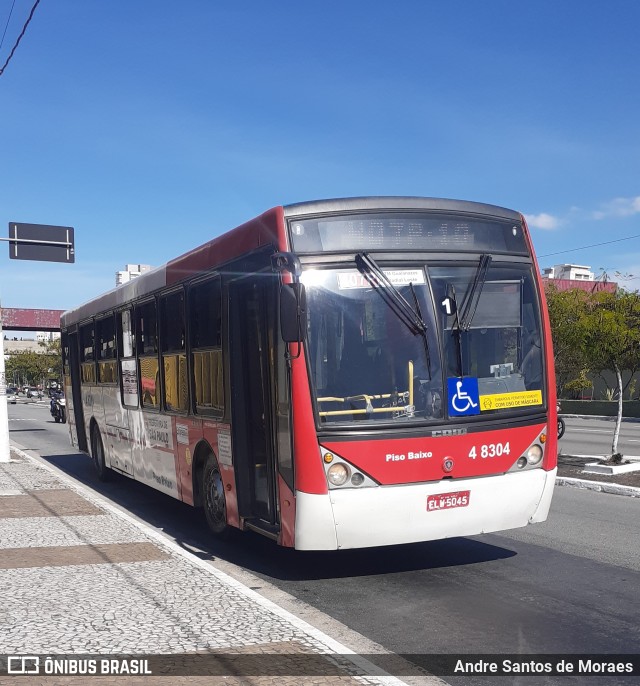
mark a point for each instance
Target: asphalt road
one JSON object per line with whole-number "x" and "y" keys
{"x": 569, "y": 585}
{"x": 594, "y": 437}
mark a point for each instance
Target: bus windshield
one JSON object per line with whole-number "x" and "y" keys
{"x": 369, "y": 365}
{"x": 366, "y": 363}
{"x": 490, "y": 322}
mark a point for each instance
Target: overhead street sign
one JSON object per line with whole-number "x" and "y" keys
{"x": 41, "y": 242}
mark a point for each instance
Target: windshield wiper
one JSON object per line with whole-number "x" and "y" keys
{"x": 469, "y": 307}
{"x": 411, "y": 317}
{"x": 462, "y": 322}
{"x": 456, "y": 329}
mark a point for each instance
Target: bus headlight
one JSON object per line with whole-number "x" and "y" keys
{"x": 357, "y": 479}
{"x": 534, "y": 454}
{"x": 338, "y": 474}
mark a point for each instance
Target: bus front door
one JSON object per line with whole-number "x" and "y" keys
{"x": 252, "y": 303}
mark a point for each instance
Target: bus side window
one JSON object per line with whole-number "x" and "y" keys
{"x": 205, "y": 319}
{"x": 174, "y": 358}
{"x": 106, "y": 349}
{"x": 64, "y": 348}
{"x": 147, "y": 349}
{"x": 126, "y": 339}
{"x": 126, "y": 352}
{"x": 87, "y": 354}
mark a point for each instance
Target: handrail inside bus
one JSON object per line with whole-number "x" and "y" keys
{"x": 367, "y": 398}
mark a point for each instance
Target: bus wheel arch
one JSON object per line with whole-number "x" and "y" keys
{"x": 200, "y": 454}
{"x": 97, "y": 452}
{"x": 209, "y": 491}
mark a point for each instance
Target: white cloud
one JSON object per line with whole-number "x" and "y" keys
{"x": 543, "y": 221}
{"x": 619, "y": 207}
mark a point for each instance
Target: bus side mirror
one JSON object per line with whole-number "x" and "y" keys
{"x": 293, "y": 312}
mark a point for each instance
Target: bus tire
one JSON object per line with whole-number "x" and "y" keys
{"x": 97, "y": 452}
{"x": 215, "y": 507}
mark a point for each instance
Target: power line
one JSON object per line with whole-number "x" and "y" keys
{"x": 595, "y": 245}
{"x": 24, "y": 28}
{"x": 13, "y": 4}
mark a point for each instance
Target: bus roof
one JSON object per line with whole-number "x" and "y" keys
{"x": 398, "y": 203}
{"x": 260, "y": 231}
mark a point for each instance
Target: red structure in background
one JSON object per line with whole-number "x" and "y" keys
{"x": 589, "y": 286}
{"x": 20, "y": 319}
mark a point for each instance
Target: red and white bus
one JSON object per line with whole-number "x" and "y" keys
{"x": 332, "y": 374}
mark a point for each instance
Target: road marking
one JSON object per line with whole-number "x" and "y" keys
{"x": 589, "y": 431}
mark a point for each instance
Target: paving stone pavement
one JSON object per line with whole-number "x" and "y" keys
{"x": 79, "y": 579}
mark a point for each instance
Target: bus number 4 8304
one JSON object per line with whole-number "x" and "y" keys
{"x": 490, "y": 450}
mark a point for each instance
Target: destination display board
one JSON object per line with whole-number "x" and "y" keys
{"x": 407, "y": 231}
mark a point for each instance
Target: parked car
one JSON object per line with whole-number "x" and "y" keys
{"x": 12, "y": 395}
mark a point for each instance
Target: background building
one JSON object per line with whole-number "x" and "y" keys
{"x": 130, "y": 272}
{"x": 47, "y": 336}
{"x": 564, "y": 277}
{"x": 14, "y": 344}
{"x": 572, "y": 272}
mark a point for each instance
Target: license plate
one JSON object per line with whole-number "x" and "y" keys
{"x": 445, "y": 501}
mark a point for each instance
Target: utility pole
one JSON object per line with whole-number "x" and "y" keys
{"x": 4, "y": 416}
{"x": 43, "y": 243}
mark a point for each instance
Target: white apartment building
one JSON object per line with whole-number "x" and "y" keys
{"x": 572, "y": 272}
{"x": 47, "y": 336}
{"x": 130, "y": 272}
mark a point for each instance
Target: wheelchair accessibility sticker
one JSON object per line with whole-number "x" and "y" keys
{"x": 463, "y": 396}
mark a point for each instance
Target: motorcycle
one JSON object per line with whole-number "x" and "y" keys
{"x": 59, "y": 409}
{"x": 561, "y": 426}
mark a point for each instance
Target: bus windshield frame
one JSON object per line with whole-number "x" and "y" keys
{"x": 367, "y": 368}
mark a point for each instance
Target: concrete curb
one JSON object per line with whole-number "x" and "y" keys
{"x": 633, "y": 458}
{"x": 603, "y": 487}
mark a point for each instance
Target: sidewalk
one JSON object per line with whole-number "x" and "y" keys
{"x": 570, "y": 473}
{"x": 81, "y": 579}
{"x": 570, "y": 469}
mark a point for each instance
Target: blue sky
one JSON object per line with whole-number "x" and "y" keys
{"x": 151, "y": 127}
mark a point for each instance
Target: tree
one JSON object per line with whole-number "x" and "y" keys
{"x": 567, "y": 310}
{"x": 611, "y": 327}
{"x": 53, "y": 351}
{"x": 32, "y": 367}
{"x": 595, "y": 332}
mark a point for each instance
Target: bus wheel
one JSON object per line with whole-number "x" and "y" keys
{"x": 97, "y": 451}
{"x": 215, "y": 509}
